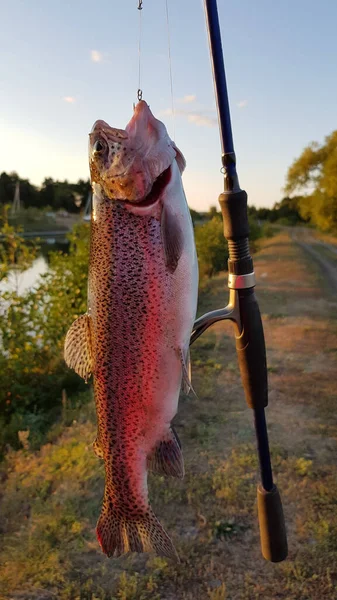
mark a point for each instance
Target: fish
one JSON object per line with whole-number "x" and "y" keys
{"x": 134, "y": 338}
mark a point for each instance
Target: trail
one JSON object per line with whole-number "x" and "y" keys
{"x": 326, "y": 260}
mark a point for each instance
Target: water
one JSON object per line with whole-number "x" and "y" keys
{"x": 22, "y": 282}
{"x": 26, "y": 280}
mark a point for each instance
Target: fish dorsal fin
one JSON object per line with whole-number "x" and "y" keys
{"x": 172, "y": 237}
{"x": 77, "y": 347}
{"x": 167, "y": 458}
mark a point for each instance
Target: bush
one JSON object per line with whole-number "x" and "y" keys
{"x": 269, "y": 230}
{"x": 32, "y": 331}
{"x": 212, "y": 248}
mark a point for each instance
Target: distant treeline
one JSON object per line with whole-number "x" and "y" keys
{"x": 285, "y": 212}
{"x": 62, "y": 195}
{"x": 54, "y": 195}
{"x": 312, "y": 174}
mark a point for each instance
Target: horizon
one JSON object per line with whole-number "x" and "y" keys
{"x": 57, "y": 80}
{"x": 39, "y": 187}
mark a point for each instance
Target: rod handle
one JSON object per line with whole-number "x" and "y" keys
{"x": 251, "y": 351}
{"x": 273, "y": 533}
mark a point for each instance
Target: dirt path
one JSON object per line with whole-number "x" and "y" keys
{"x": 322, "y": 252}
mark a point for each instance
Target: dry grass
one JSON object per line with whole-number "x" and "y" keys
{"x": 51, "y": 499}
{"x": 326, "y": 237}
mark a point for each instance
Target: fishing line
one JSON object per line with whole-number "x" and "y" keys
{"x": 170, "y": 68}
{"x": 139, "y": 91}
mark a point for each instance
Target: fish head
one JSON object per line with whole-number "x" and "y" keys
{"x": 127, "y": 164}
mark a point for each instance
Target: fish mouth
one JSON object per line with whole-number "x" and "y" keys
{"x": 156, "y": 191}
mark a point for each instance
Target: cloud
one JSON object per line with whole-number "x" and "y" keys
{"x": 188, "y": 99}
{"x": 69, "y": 99}
{"x": 199, "y": 118}
{"x": 242, "y": 103}
{"x": 167, "y": 112}
{"x": 96, "y": 56}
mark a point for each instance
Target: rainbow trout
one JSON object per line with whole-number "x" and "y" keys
{"x": 134, "y": 339}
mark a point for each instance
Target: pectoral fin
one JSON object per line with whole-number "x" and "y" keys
{"x": 77, "y": 347}
{"x": 167, "y": 458}
{"x": 172, "y": 237}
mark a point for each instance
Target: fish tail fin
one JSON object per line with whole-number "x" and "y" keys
{"x": 117, "y": 534}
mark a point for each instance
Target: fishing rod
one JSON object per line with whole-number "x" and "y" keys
{"x": 243, "y": 308}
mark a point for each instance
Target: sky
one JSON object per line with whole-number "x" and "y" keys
{"x": 66, "y": 64}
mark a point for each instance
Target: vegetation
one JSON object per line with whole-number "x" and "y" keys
{"x": 285, "y": 212}
{"x": 212, "y": 247}
{"x": 314, "y": 171}
{"x": 32, "y": 330}
{"x": 50, "y": 499}
{"x": 312, "y": 174}
{"x": 16, "y": 254}
{"x": 53, "y": 195}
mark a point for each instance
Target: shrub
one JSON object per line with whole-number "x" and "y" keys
{"x": 212, "y": 248}
{"x": 32, "y": 331}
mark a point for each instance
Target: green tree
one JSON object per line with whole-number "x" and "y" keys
{"x": 47, "y": 193}
{"x": 263, "y": 214}
{"x": 16, "y": 254}
{"x": 288, "y": 211}
{"x": 315, "y": 172}
{"x": 214, "y": 212}
{"x": 212, "y": 248}
{"x": 29, "y": 194}
{"x": 195, "y": 216}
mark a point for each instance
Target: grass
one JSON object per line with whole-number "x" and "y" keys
{"x": 326, "y": 237}
{"x": 327, "y": 252}
{"x": 51, "y": 499}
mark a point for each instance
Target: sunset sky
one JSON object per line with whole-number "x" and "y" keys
{"x": 65, "y": 64}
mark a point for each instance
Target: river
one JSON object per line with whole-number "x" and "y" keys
{"x": 26, "y": 280}
{"x": 22, "y": 282}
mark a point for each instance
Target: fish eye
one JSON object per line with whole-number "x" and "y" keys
{"x": 99, "y": 146}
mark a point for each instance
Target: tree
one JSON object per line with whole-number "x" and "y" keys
{"x": 7, "y": 187}
{"x": 211, "y": 247}
{"x": 288, "y": 210}
{"x": 195, "y": 216}
{"x": 263, "y": 214}
{"x": 315, "y": 171}
{"x": 47, "y": 193}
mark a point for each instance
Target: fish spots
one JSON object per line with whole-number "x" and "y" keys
{"x": 129, "y": 290}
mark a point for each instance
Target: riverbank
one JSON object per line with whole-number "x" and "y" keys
{"x": 35, "y": 222}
